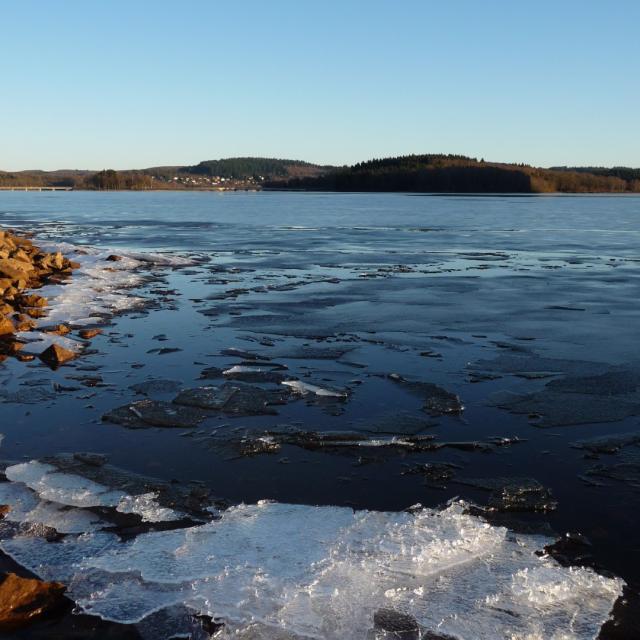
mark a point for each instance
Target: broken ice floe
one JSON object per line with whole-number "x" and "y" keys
{"x": 40, "y": 492}
{"x": 305, "y": 388}
{"x": 327, "y": 572}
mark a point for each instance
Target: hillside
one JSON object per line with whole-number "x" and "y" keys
{"x": 461, "y": 174}
{"x": 271, "y": 168}
{"x": 248, "y": 172}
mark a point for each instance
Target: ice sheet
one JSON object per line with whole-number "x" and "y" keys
{"x": 323, "y": 572}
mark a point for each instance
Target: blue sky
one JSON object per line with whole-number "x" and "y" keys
{"x": 136, "y": 84}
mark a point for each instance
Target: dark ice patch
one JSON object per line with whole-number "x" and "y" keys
{"x": 437, "y": 401}
{"x": 145, "y": 413}
{"x": 610, "y": 383}
{"x": 235, "y": 399}
{"x": 514, "y": 494}
{"x": 608, "y": 444}
{"x": 150, "y": 387}
{"x": 555, "y": 409}
{"x": 29, "y": 395}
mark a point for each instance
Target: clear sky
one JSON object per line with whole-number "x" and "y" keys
{"x": 87, "y": 84}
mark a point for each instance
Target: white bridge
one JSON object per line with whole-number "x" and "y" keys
{"x": 36, "y": 188}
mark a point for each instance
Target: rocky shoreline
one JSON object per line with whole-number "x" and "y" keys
{"x": 25, "y": 267}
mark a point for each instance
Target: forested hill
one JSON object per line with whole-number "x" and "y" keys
{"x": 255, "y": 167}
{"x": 462, "y": 174}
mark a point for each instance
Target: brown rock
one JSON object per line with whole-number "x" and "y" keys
{"x": 4, "y": 509}
{"x": 22, "y": 255}
{"x": 33, "y": 300}
{"x": 74, "y": 265}
{"x": 87, "y": 334}
{"x": 114, "y": 258}
{"x": 57, "y": 261}
{"x": 6, "y": 326}
{"x": 10, "y": 347}
{"x": 11, "y": 268}
{"x": 56, "y": 355}
{"x": 34, "y": 312}
{"x": 25, "y": 357}
{"x": 58, "y": 329}
{"x": 23, "y": 600}
{"x": 24, "y": 322}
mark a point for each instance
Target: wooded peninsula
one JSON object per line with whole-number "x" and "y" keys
{"x": 430, "y": 173}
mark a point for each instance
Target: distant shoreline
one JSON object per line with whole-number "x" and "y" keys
{"x": 476, "y": 194}
{"x": 423, "y": 173}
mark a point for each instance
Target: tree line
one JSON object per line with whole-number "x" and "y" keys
{"x": 459, "y": 174}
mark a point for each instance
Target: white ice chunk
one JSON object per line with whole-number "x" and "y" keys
{"x": 304, "y": 388}
{"x": 146, "y": 505}
{"x": 24, "y": 506}
{"x": 28, "y": 472}
{"x": 239, "y": 368}
{"x": 63, "y": 488}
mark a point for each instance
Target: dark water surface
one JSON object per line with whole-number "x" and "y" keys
{"x": 501, "y": 293}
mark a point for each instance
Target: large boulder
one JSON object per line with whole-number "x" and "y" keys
{"x": 55, "y": 355}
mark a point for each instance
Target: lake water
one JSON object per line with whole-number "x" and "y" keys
{"x": 526, "y": 308}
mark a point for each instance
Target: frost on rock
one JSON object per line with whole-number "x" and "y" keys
{"x": 279, "y": 570}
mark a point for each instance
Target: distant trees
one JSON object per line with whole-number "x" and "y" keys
{"x": 110, "y": 180}
{"x": 624, "y": 173}
{"x": 107, "y": 179}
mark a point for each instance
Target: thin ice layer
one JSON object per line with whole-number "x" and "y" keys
{"x": 323, "y": 572}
